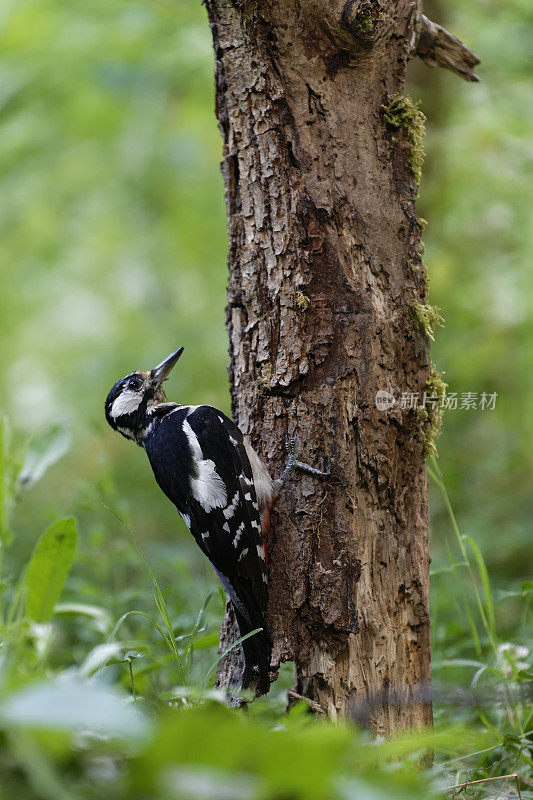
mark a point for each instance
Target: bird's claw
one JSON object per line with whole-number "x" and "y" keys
{"x": 291, "y": 444}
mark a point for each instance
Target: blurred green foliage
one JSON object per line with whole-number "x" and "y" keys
{"x": 476, "y": 196}
{"x": 113, "y": 253}
{"x": 112, "y": 228}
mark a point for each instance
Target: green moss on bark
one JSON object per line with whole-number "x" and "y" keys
{"x": 405, "y": 114}
{"x": 430, "y": 415}
{"x": 427, "y": 317}
{"x": 363, "y": 21}
{"x": 302, "y": 301}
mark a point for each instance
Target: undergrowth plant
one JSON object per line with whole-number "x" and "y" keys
{"x": 27, "y": 602}
{"x": 501, "y": 671}
{"x": 92, "y": 708}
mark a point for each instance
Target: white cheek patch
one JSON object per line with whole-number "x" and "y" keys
{"x": 126, "y": 403}
{"x": 207, "y": 486}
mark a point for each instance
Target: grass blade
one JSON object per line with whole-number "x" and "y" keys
{"x": 485, "y": 582}
{"x": 221, "y": 656}
{"x": 158, "y": 598}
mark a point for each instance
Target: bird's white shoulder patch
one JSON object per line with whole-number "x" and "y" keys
{"x": 194, "y": 444}
{"x": 262, "y": 480}
{"x": 207, "y": 486}
{"x": 126, "y": 403}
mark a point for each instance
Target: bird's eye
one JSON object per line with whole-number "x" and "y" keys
{"x": 134, "y": 383}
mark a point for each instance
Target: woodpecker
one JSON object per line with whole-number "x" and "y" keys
{"x": 219, "y": 485}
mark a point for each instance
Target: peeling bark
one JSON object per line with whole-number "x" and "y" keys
{"x": 325, "y": 267}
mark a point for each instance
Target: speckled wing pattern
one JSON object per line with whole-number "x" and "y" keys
{"x": 234, "y": 542}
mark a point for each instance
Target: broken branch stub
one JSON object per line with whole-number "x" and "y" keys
{"x": 437, "y": 47}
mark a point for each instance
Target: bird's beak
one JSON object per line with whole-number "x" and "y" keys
{"x": 162, "y": 371}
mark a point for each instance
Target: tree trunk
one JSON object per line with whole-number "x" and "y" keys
{"x": 325, "y": 278}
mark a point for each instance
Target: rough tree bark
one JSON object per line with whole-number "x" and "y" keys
{"x": 325, "y": 271}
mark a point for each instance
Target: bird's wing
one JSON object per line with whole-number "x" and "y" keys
{"x": 222, "y": 506}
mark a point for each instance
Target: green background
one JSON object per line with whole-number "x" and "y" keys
{"x": 113, "y": 247}
{"x": 113, "y": 253}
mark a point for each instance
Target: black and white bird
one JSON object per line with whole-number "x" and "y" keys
{"x": 219, "y": 485}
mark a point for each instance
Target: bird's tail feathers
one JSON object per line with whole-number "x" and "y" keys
{"x": 257, "y": 652}
{"x": 257, "y": 648}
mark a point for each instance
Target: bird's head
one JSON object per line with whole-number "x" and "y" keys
{"x": 132, "y": 399}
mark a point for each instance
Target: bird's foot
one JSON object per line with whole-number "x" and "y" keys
{"x": 293, "y": 464}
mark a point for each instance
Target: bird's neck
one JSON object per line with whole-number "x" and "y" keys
{"x": 140, "y": 424}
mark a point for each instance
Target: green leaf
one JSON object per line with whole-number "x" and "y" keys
{"x": 69, "y": 703}
{"x": 99, "y": 656}
{"x": 44, "y": 450}
{"x": 131, "y": 655}
{"x": 48, "y": 569}
{"x": 128, "y": 657}
{"x": 101, "y": 617}
{"x": 299, "y": 763}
